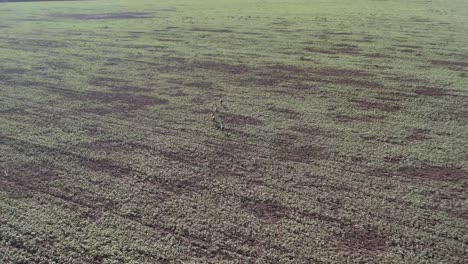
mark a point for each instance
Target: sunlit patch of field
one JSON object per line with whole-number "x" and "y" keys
{"x": 344, "y": 142}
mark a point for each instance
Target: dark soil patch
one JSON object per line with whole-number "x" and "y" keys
{"x": 108, "y": 167}
{"x": 304, "y": 154}
{"x": 288, "y": 112}
{"x": 102, "y": 16}
{"x": 449, "y": 63}
{"x": 327, "y": 219}
{"x": 361, "y": 240}
{"x": 367, "y": 105}
{"x": 179, "y": 187}
{"x": 267, "y": 210}
{"x": 111, "y": 146}
{"x": 127, "y": 101}
{"x": 377, "y": 55}
{"x": 430, "y": 91}
{"x": 337, "y": 33}
{"x": 393, "y": 159}
{"x": 437, "y": 173}
{"x": 408, "y": 46}
{"x": 337, "y": 72}
{"x": 240, "y": 120}
{"x": 361, "y": 118}
{"x": 419, "y": 135}
{"x": 347, "y": 48}
{"x": 212, "y": 30}
{"x": 222, "y": 67}
{"x": 32, "y": 175}
{"x": 309, "y": 131}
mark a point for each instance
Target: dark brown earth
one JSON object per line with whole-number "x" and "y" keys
{"x": 303, "y": 154}
{"x": 121, "y": 102}
{"x": 267, "y": 210}
{"x": 430, "y": 91}
{"x": 285, "y": 111}
{"x": 437, "y": 173}
{"x": 449, "y": 63}
{"x": 419, "y": 135}
{"x": 240, "y": 120}
{"x": 361, "y": 240}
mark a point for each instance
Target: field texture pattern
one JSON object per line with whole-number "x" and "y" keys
{"x": 345, "y": 140}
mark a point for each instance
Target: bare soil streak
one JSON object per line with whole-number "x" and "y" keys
{"x": 267, "y": 210}
{"x": 361, "y": 240}
{"x": 120, "y": 15}
{"x": 241, "y": 120}
{"x": 437, "y": 173}
{"x": 430, "y": 91}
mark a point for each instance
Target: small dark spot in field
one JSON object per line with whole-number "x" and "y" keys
{"x": 368, "y": 105}
{"x": 267, "y": 210}
{"x": 376, "y": 55}
{"x": 449, "y": 63}
{"x": 327, "y": 219}
{"x": 406, "y": 50}
{"x": 430, "y": 91}
{"x": 92, "y": 215}
{"x": 240, "y": 120}
{"x": 337, "y": 33}
{"x": 437, "y": 173}
{"x": 178, "y": 187}
{"x": 102, "y": 16}
{"x": 339, "y": 72}
{"x": 347, "y": 48}
{"x": 107, "y": 166}
{"x": 366, "y": 39}
{"x": 213, "y": 30}
{"x": 361, "y": 240}
{"x": 393, "y": 159}
{"x": 418, "y": 135}
{"x": 177, "y": 93}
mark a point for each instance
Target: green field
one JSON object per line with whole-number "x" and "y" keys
{"x": 345, "y": 140}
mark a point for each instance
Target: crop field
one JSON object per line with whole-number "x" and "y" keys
{"x": 345, "y": 133}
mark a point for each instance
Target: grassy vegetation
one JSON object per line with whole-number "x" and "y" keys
{"x": 345, "y": 142}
